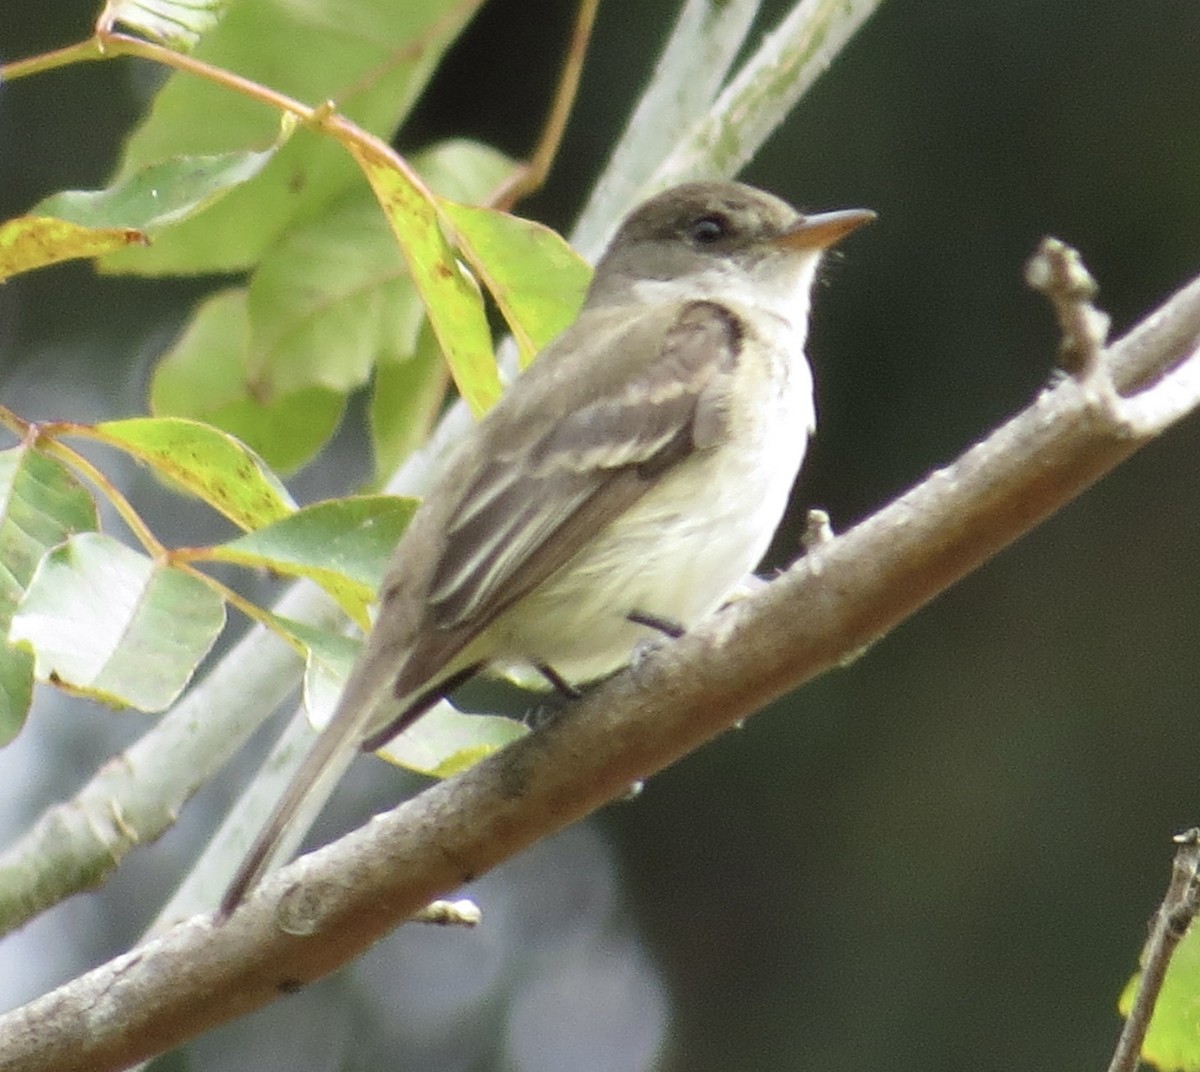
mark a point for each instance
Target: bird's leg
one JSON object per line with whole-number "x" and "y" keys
{"x": 557, "y": 682}
{"x": 568, "y": 692}
{"x": 417, "y": 708}
{"x": 666, "y": 626}
{"x": 564, "y": 695}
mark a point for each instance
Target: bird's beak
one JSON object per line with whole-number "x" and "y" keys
{"x": 822, "y": 231}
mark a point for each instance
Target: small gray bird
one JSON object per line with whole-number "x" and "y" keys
{"x": 625, "y": 484}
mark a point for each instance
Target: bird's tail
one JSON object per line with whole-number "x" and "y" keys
{"x": 295, "y": 811}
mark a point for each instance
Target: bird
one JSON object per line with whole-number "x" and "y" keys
{"x": 626, "y": 483}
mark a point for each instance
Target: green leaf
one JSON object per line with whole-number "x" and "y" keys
{"x": 205, "y": 462}
{"x": 451, "y": 297}
{"x": 1173, "y": 1041}
{"x": 334, "y": 296}
{"x": 205, "y": 377}
{"x": 329, "y": 661}
{"x": 537, "y": 280}
{"x": 445, "y": 740}
{"x": 462, "y": 170}
{"x": 406, "y": 397}
{"x": 343, "y": 544}
{"x": 328, "y": 300}
{"x": 373, "y": 57}
{"x": 177, "y": 23}
{"x": 442, "y": 742}
{"x": 112, "y": 624}
{"x": 41, "y": 504}
{"x": 30, "y": 242}
{"x": 160, "y": 195}
{"x": 16, "y": 690}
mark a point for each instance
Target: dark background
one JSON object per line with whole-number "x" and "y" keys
{"x": 944, "y": 855}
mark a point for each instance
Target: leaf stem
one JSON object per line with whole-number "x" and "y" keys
{"x": 533, "y": 174}
{"x": 44, "y": 436}
{"x": 181, "y": 559}
{"x": 119, "y": 44}
{"x": 80, "y": 52}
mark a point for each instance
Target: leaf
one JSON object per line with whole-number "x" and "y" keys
{"x": 451, "y": 298}
{"x": 444, "y": 740}
{"x": 272, "y": 364}
{"x": 160, "y": 195}
{"x": 204, "y": 377}
{"x": 1173, "y": 1040}
{"x": 537, "y": 280}
{"x": 112, "y": 624}
{"x": 329, "y": 661}
{"x": 332, "y": 297}
{"x": 177, "y": 23}
{"x": 207, "y": 463}
{"x": 405, "y": 399}
{"x": 16, "y": 690}
{"x": 343, "y": 544}
{"x": 30, "y": 242}
{"x": 41, "y": 504}
{"x": 373, "y": 57}
{"x": 460, "y": 169}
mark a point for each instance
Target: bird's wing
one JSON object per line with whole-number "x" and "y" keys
{"x": 525, "y": 515}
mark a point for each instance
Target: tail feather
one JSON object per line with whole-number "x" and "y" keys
{"x": 280, "y": 836}
{"x": 316, "y": 778}
{"x": 394, "y": 682}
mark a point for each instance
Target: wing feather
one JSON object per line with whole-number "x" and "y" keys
{"x": 524, "y": 516}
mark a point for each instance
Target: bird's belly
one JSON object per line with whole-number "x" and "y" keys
{"x": 675, "y": 554}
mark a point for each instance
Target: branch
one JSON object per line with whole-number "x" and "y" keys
{"x": 1179, "y": 908}
{"x": 136, "y": 796}
{"x": 313, "y": 916}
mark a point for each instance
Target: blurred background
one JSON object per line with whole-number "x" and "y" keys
{"x": 942, "y": 856}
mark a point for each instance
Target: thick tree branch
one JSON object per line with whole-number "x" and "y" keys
{"x": 323, "y": 910}
{"x": 136, "y": 795}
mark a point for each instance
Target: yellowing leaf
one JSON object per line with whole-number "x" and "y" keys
{"x": 537, "y": 280}
{"x": 29, "y": 242}
{"x": 110, "y": 623}
{"x": 452, "y": 300}
{"x": 207, "y": 463}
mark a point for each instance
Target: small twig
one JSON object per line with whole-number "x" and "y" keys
{"x": 817, "y": 530}
{"x": 462, "y": 913}
{"x": 1057, "y": 271}
{"x": 1179, "y": 907}
{"x": 525, "y": 180}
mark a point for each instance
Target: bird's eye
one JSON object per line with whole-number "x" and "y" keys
{"x": 708, "y": 229}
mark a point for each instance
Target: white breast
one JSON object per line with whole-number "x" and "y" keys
{"x": 679, "y": 551}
